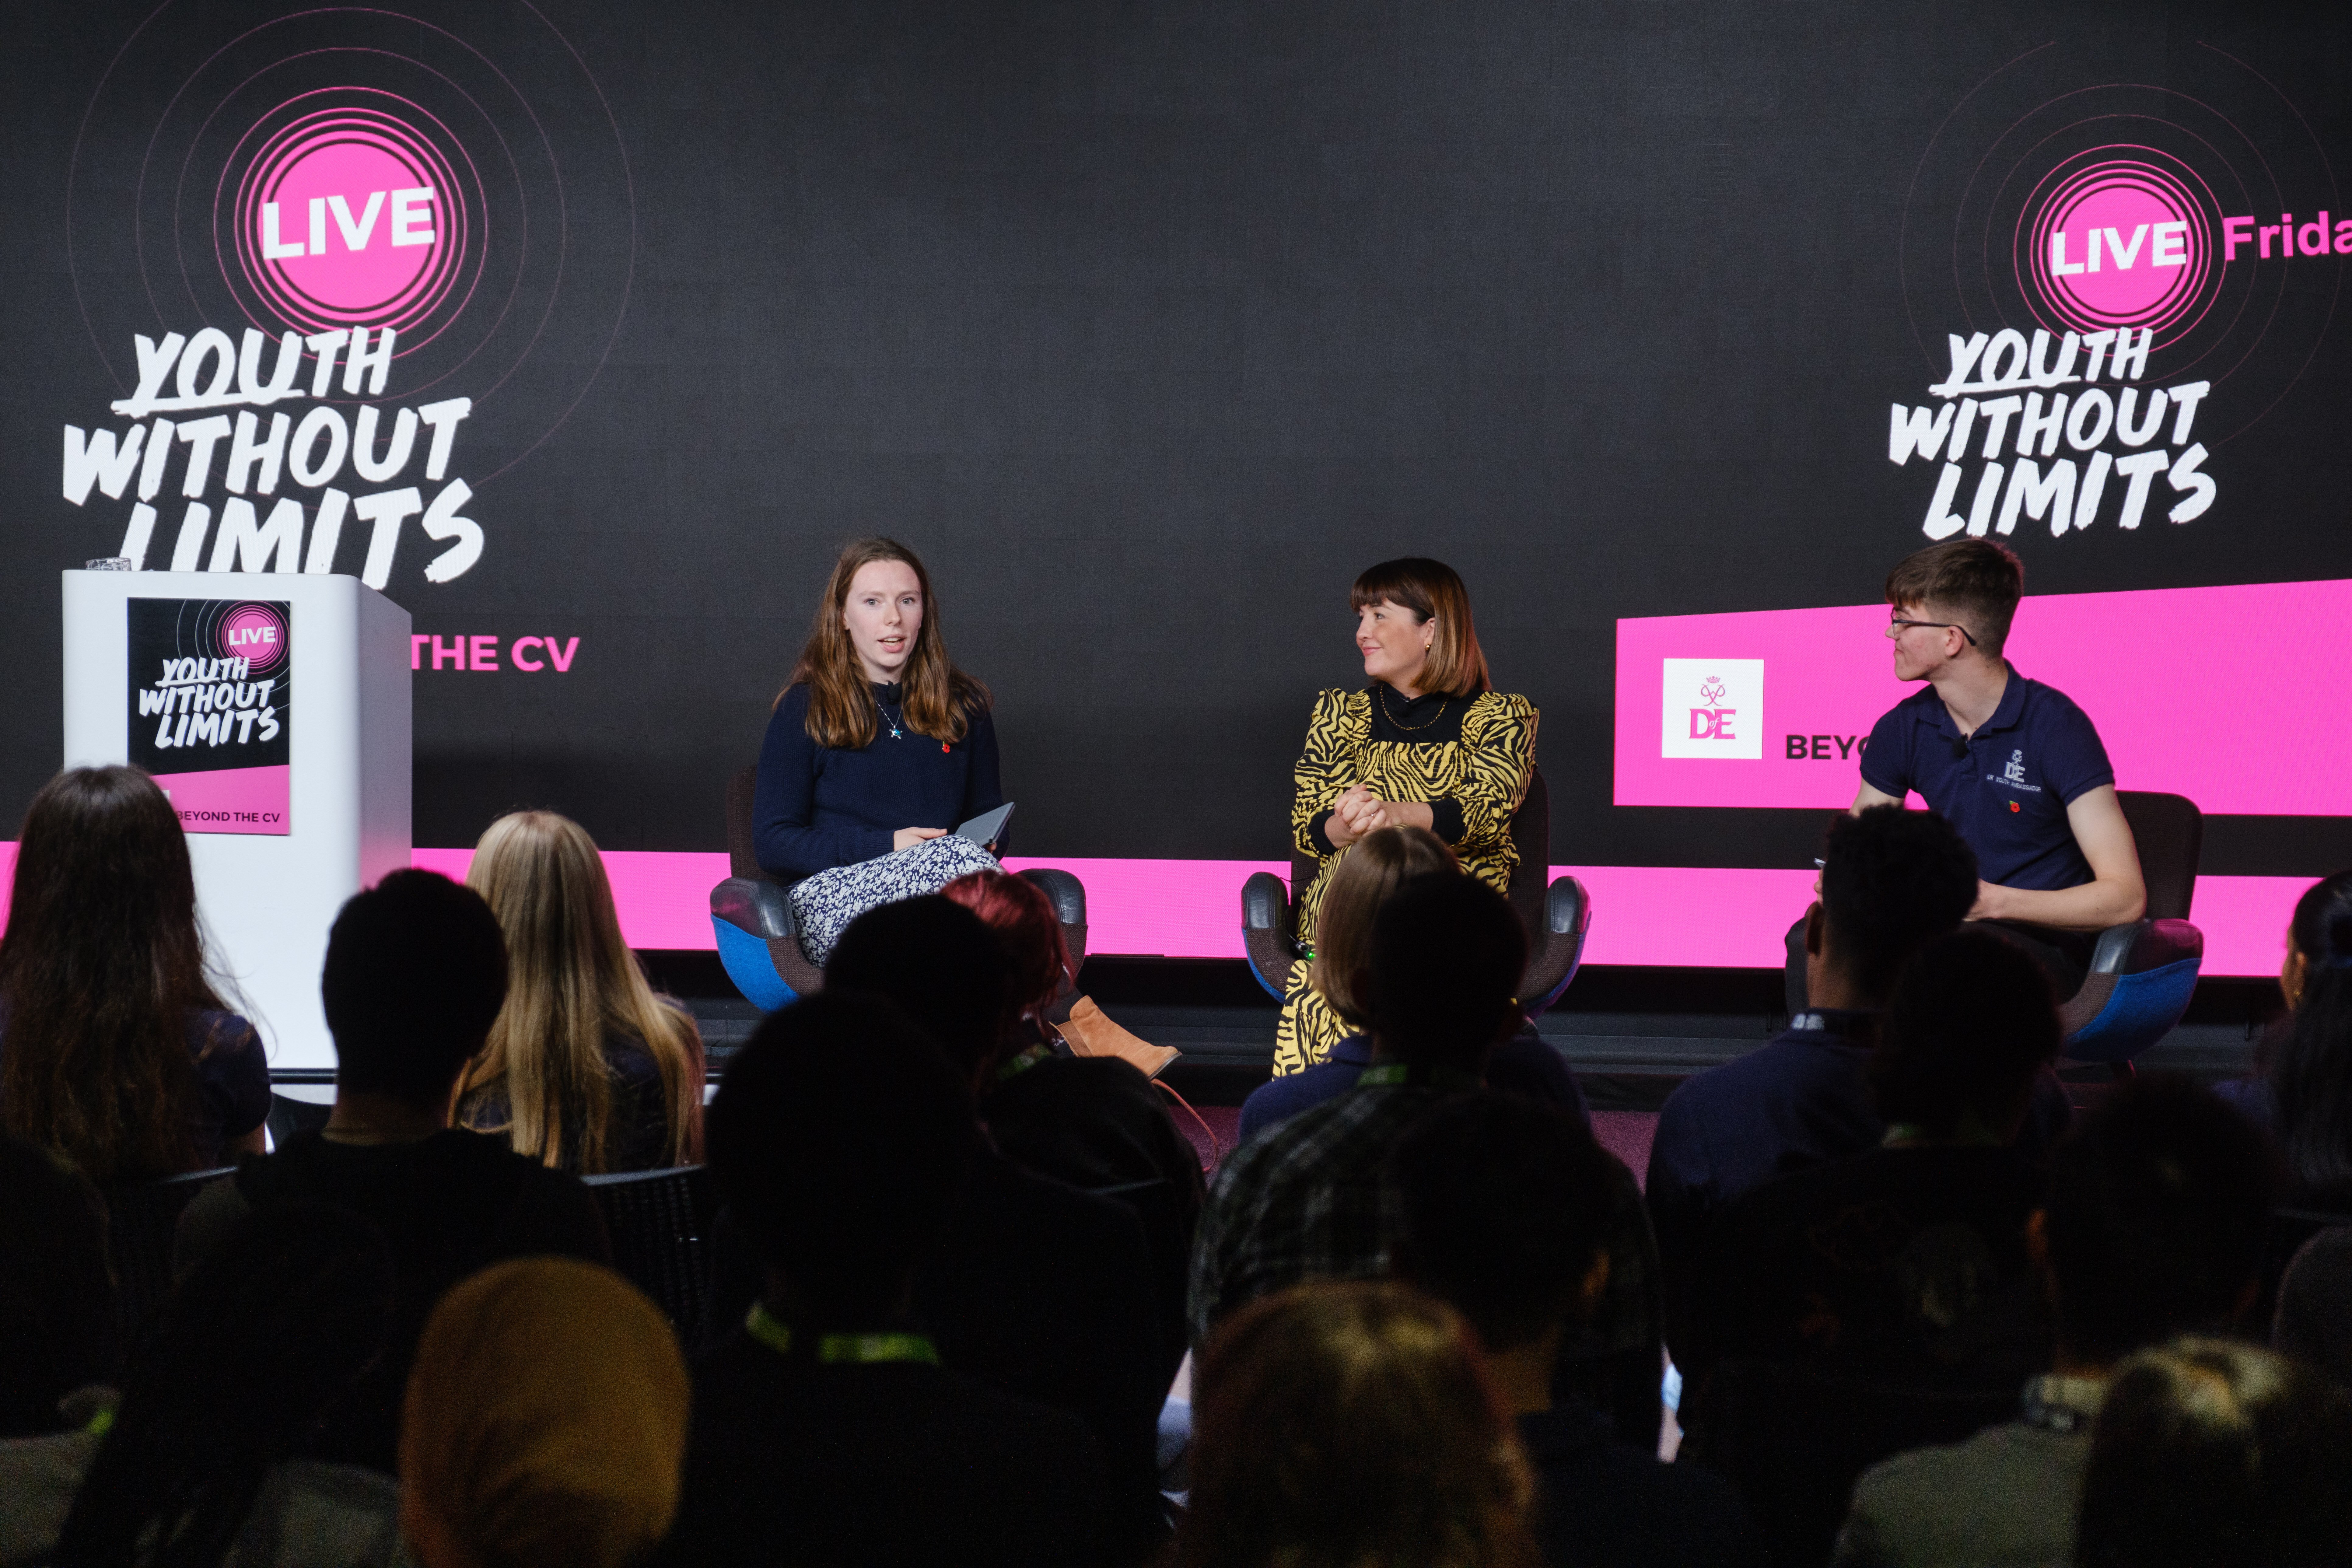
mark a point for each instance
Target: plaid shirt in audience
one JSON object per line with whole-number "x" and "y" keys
{"x": 1303, "y": 1200}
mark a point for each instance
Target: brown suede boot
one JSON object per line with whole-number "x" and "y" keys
{"x": 1091, "y": 1033}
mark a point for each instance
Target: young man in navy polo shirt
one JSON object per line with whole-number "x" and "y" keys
{"x": 2011, "y": 763}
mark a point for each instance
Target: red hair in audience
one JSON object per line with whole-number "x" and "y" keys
{"x": 1020, "y": 912}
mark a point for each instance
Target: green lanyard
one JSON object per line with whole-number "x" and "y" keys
{"x": 1400, "y": 1075}
{"x": 1039, "y": 1052}
{"x": 857, "y": 1349}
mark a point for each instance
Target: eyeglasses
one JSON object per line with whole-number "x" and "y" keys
{"x": 1896, "y": 622}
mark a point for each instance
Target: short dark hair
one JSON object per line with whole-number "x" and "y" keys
{"x": 1447, "y": 951}
{"x": 415, "y": 974}
{"x": 1892, "y": 880}
{"x": 839, "y": 1138}
{"x": 1977, "y": 580}
{"x": 1968, "y": 1029}
{"x": 1503, "y": 1205}
{"x": 2159, "y": 1200}
{"x": 944, "y": 966}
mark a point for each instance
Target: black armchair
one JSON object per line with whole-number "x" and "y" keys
{"x": 1557, "y": 916}
{"x": 752, "y": 918}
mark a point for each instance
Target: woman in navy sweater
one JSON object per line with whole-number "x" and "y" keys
{"x": 878, "y": 742}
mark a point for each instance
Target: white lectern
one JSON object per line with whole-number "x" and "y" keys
{"x": 274, "y": 710}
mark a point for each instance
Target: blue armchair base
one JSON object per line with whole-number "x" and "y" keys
{"x": 750, "y": 968}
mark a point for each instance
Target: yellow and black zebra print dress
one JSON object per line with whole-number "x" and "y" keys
{"x": 1469, "y": 758}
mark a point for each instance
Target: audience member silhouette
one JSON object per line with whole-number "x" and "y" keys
{"x": 1892, "y": 880}
{"x": 1350, "y": 1423}
{"x": 824, "y": 1428}
{"x": 1372, "y": 869}
{"x": 2153, "y": 1228}
{"x": 415, "y": 971}
{"x": 1906, "y": 1265}
{"x": 2212, "y": 1455}
{"x": 2302, "y": 1087}
{"x": 1306, "y": 1199}
{"x": 194, "y": 1467}
{"x": 545, "y": 1422}
{"x": 115, "y": 1049}
{"x": 1504, "y": 1207}
{"x": 2314, "y": 1320}
{"x": 57, "y": 1290}
{"x": 1038, "y": 1290}
{"x": 585, "y": 1069}
{"x": 1092, "y": 1121}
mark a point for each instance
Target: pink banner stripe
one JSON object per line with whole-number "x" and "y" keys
{"x": 1649, "y": 915}
{"x": 2238, "y": 719}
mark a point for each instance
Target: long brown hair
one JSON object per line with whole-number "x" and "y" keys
{"x": 99, "y": 970}
{"x": 1458, "y": 666}
{"x": 1351, "y": 1424}
{"x": 940, "y": 698}
{"x": 1372, "y": 869}
{"x": 572, "y": 978}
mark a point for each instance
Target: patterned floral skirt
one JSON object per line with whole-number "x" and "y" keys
{"x": 824, "y": 904}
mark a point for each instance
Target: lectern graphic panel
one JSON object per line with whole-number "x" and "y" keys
{"x": 211, "y": 700}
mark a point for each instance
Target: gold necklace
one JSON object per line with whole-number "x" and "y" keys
{"x": 1409, "y": 728}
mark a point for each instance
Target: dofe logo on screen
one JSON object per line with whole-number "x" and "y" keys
{"x": 1713, "y": 708}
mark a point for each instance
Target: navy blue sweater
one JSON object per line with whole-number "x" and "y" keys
{"x": 818, "y": 806}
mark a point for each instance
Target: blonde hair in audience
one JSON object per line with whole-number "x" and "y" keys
{"x": 1374, "y": 867}
{"x": 1351, "y": 1424}
{"x": 572, "y": 978}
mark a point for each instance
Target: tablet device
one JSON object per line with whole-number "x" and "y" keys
{"x": 987, "y": 827}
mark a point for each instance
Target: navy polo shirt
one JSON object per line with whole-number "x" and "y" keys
{"x": 2006, "y": 788}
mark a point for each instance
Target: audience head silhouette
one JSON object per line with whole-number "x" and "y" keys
{"x": 57, "y": 1289}
{"x": 1890, "y": 879}
{"x": 415, "y": 974}
{"x": 1023, "y": 919}
{"x": 254, "y": 1346}
{"x": 101, "y": 968}
{"x": 571, "y": 980}
{"x": 840, "y": 1136}
{"x": 947, "y": 971}
{"x": 545, "y": 1422}
{"x": 1504, "y": 1207}
{"x": 1443, "y": 980}
{"x": 1968, "y": 1030}
{"x": 1351, "y": 1424}
{"x": 2158, "y": 1201}
{"x": 2208, "y": 1454}
{"x": 2309, "y": 1068}
{"x": 1381, "y": 862}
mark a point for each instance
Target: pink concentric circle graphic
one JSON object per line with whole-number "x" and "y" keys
{"x": 346, "y": 213}
{"x": 2120, "y": 241}
{"x": 255, "y": 632}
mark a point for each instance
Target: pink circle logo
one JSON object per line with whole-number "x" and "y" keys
{"x": 2119, "y": 244}
{"x": 253, "y": 632}
{"x": 345, "y": 217}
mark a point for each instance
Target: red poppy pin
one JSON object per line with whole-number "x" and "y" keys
{"x": 2014, "y": 806}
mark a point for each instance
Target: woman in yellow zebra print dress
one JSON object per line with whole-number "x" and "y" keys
{"x": 1429, "y": 743}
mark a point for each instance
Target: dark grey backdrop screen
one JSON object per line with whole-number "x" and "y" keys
{"x": 1149, "y": 325}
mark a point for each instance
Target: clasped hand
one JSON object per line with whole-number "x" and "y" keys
{"x": 1359, "y": 811}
